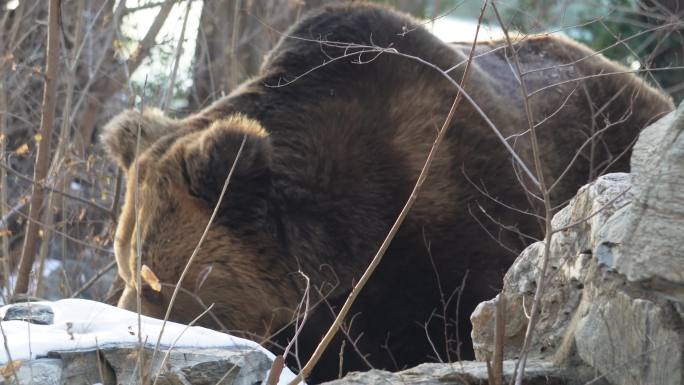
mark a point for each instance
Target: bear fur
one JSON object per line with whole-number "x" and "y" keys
{"x": 336, "y": 133}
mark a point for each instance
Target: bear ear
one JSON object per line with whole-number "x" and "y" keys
{"x": 209, "y": 155}
{"x": 120, "y": 135}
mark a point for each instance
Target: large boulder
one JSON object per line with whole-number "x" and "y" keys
{"x": 614, "y": 297}
{"x": 646, "y": 243}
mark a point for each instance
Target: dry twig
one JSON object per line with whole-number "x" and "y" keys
{"x": 548, "y": 229}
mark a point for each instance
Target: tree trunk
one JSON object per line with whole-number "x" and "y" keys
{"x": 233, "y": 38}
{"x": 43, "y": 157}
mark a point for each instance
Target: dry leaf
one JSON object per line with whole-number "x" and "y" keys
{"x": 23, "y": 149}
{"x": 9, "y": 369}
{"x": 5, "y": 233}
{"x": 117, "y": 44}
{"x": 150, "y": 278}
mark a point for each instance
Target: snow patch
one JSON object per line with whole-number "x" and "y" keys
{"x": 81, "y": 324}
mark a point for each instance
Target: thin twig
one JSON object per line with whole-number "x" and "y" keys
{"x": 49, "y": 188}
{"x": 499, "y": 334}
{"x": 138, "y": 236}
{"x": 598, "y": 52}
{"x": 279, "y": 361}
{"x": 56, "y": 231}
{"x": 577, "y": 79}
{"x": 100, "y": 273}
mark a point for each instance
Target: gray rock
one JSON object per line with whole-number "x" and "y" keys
{"x": 570, "y": 261}
{"x": 461, "y": 373}
{"x": 614, "y": 298}
{"x": 85, "y": 367}
{"x": 30, "y": 312}
{"x": 652, "y": 244}
{"x": 630, "y": 341}
{"x": 112, "y": 366}
{"x": 44, "y": 372}
{"x": 648, "y": 148}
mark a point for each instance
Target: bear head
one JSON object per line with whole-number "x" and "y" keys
{"x": 175, "y": 174}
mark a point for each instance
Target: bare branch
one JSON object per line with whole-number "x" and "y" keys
{"x": 100, "y": 273}
{"x": 47, "y": 187}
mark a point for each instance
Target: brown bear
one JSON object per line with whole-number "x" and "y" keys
{"x": 337, "y": 126}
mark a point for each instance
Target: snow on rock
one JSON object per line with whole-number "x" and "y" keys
{"x": 83, "y": 325}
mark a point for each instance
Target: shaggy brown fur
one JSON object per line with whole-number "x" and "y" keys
{"x": 330, "y": 159}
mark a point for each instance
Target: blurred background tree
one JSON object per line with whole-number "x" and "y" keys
{"x": 641, "y": 34}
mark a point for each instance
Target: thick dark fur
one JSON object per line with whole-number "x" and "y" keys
{"x": 330, "y": 159}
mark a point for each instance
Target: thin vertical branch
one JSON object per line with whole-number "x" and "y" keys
{"x": 303, "y": 309}
{"x": 43, "y": 157}
{"x": 168, "y": 93}
{"x": 4, "y": 226}
{"x": 138, "y": 236}
{"x": 62, "y": 155}
{"x": 534, "y": 317}
{"x": 499, "y": 333}
{"x": 48, "y": 220}
{"x": 233, "y": 46}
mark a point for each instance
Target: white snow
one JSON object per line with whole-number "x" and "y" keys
{"x": 82, "y": 325}
{"x": 452, "y": 29}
